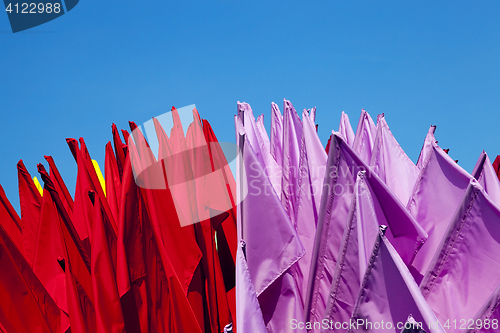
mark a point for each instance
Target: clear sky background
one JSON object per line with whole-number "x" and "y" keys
{"x": 419, "y": 62}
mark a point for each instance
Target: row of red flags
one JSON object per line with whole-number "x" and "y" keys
{"x": 115, "y": 258}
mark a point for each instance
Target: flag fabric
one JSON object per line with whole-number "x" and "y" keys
{"x": 389, "y": 295}
{"x": 49, "y": 255}
{"x": 357, "y": 243}
{"x": 10, "y": 221}
{"x": 108, "y": 311}
{"x": 113, "y": 182}
{"x": 365, "y": 136}
{"x": 292, "y": 137}
{"x": 392, "y": 164}
{"x": 340, "y": 176}
{"x": 276, "y": 140}
{"x": 485, "y": 174}
{"x": 272, "y": 249}
{"x": 345, "y": 129}
{"x": 30, "y": 201}
{"x": 60, "y": 186}
{"x": 25, "y": 305}
{"x": 488, "y": 318}
{"x": 464, "y": 271}
{"x": 438, "y": 191}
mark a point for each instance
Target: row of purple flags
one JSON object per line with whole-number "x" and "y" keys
{"x": 357, "y": 237}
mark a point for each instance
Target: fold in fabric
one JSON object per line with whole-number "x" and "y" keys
{"x": 389, "y": 295}
{"x": 486, "y": 176}
{"x": 365, "y": 135}
{"x": 272, "y": 244}
{"x": 438, "y": 191}
{"x": 345, "y": 129}
{"x": 464, "y": 271}
{"x": 404, "y": 232}
{"x": 392, "y": 164}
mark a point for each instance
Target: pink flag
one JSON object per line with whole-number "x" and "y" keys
{"x": 389, "y": 296}
{"x": 365, "y": 135}
{"x": 276, "y": 134}
{"x": 487, "y": 320}
{"x": 311, "y": 175}
{"x": 360, "y": 235}
{"x": 486, "y": 176}
{"x": 342, "y": 168}
{"x": 345, "y": 129}
{"x": 248, "y": 313}
{"x": 437, "y": 193}
{"x": 272, "y": 246}
{"x": 391, "y": 163}
{"x": 464, "y": 271}
{"x": 427, "y": 147}
{"x": 292, "y": 137}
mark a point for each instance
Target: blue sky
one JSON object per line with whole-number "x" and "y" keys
{"x": 419, "y": 62}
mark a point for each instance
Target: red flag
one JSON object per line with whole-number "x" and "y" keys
{"x": 10, "y": 221}
{"x": 82, "y": 209}
{"x": 60, "y": 186}
{"x": 109, "y": 317}
{"x": 113, "y": 181}
{"x": 141, "y": 261}
{"x": 22, "y": 294}
{"x": 496, "y": 166}
{"x": 226, "y": 232}
{"x": 76, "y": 265}
{"x": 120, "y": 148}
{"x": 31, "y": 202}
{"x": 179, "y": 242}
{"x": 201, "y": 167}
{"x": 49, "y": 254}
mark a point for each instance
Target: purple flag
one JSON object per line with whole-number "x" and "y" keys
{"x": 248, "y": 313}
{"x": 427, "y": 147}
{"x": 292, "y": 137}
{"x": 391, "y": 163}
{"x": 345, "y": 129}
{"x": 464, "y": 271}
{"x": 365, "y": 134}
{"x": 357, "y": 244}
{"x": 404, "y": 232}
{"x": 486, "y": 176}
{"x": 276, "y": 134}
{"x": 272, "y": 246}
{"x": 257, "y": 137}
{"x": 311, "y": 175}
{"x": 487, "y": 320}
{"x": 389, "y": 296}
{"x": 438, "y": 191}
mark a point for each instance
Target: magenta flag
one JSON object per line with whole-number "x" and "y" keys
{"x": 427, "y": 147}
{"x": 276, "y": 134}
{"x": 272, "y": 245}
{"x": 365, "y": 134}
{"x": 464, "y": 271}
{"x": 292, "y": 138}
{"x": 311, "y": 175}
{"x": 345, "y": 129}
{"x": 391, "y": 163}
{"x": 405, "y": 233}
{"x": 257, "y": 139}
{"x": 248, "y": 313}
{"x": 438, "y": 191}
{"x": 486, "y": 176}
{"x": 389, "y": 296}
{"x": 359, "y": 236}
{"x": 487, "y": 320}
